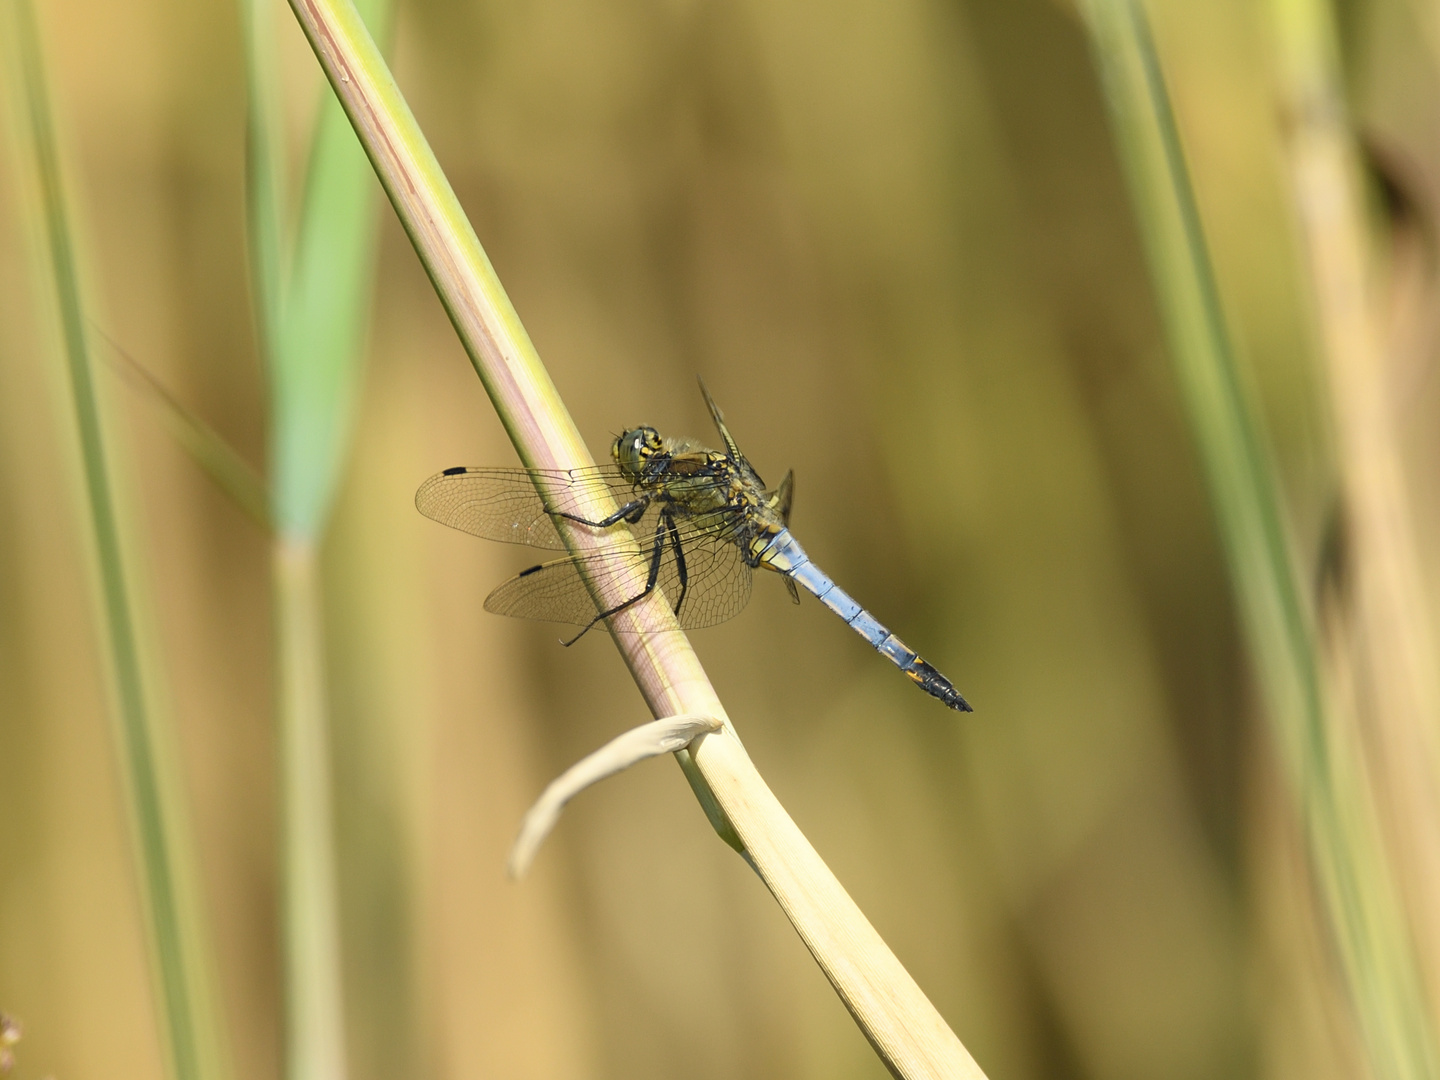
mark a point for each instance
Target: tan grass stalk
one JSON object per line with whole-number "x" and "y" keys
{"x": 1305, "y": 701}
{"x": 1381, "y": 618}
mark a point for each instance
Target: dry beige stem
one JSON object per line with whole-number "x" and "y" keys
{"x": 1385, "y": 624}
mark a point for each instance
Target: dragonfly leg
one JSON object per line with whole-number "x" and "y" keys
{"x": 631, "y": 512}
{"x": 681, "y": 570}
{"x": 655, "y": 558}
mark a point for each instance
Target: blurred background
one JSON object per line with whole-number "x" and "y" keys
{"x": 895, "y": 239}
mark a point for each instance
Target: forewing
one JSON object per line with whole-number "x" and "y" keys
{"x": 505, "y": 504}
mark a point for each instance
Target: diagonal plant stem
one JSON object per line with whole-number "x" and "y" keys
{"x": 158, "y": 818}
{"x": 1355, "y": 883}
{"x": 230, "y": 472}
{"x": 901, "y": 1024}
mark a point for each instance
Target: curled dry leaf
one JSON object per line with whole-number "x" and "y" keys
{"x": 658, "y": 737}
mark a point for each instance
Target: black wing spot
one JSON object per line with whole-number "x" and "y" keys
{"x": 456, "y": 471}
{"x": 531, "y": 570}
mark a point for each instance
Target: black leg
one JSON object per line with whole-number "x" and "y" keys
{"x": 631, "y": 512}
{"x": 680, "y": 568}
{"x": 655, "y": 556}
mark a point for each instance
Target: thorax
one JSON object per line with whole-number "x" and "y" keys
{"x": 697, "y": 482}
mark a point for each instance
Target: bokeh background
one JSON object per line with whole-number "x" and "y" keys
{"x": 895, "y": 239}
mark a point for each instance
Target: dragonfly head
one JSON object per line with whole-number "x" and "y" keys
{"x": 634, "y": 448}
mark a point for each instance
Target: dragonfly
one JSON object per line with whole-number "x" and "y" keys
{"x": 703, "y": 521}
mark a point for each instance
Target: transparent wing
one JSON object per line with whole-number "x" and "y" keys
{"x": 505, "y": 504}
{"x": 716, "y": 583}
{"x": 550, "y": 592}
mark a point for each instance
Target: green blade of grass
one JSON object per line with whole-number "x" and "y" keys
{"x": 189, "y": 1023}
{"x": 316, "y": 369}
{"x": 312, "y": 315}
{"x": 901, "y": 1024}
{"x": 1355, "y": 883}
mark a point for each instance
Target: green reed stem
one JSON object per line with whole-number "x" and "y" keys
{"x": 156, "y": 809}
{"x": 1355, "y": 884}
{"x": 314, "y": 997}
{"x": 312, "y": 312}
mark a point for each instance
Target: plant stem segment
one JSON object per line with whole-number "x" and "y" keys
{"x": 315, "y": 1048}
{"x": 312, "y": 312}
{"x": 1385, "y": 624}
{"x": 158, "y": 817}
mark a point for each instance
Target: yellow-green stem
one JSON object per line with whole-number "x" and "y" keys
{"x": 895, "y": 1016}
{"x": 158, "y": 817}
{"x": 311, "y": 310}
{"x": 315, "y": 1048}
